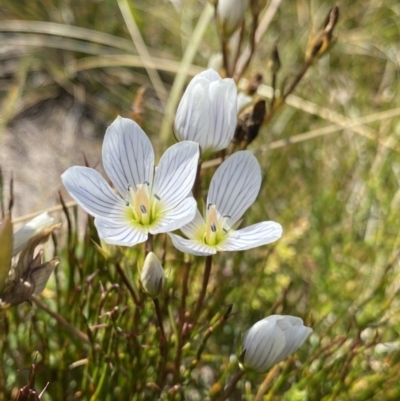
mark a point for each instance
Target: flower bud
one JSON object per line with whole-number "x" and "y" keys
{"x": 152, "y": 276}
{"x": 230, "y": 15}
{"x": 207, "y": 112}
{"x": 33, "y": 227}
{"x": 271, "y": 340}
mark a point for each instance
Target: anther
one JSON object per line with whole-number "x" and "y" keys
{"x": 143, "y": 209}
{"x": 157, "y": 197}
{"x": 213, "y": 227}
{"x": 127, "y": 203}
{"x": 129, "y": 187}
{"x": 226, "y": 216}
{"x": 147, "y": 183}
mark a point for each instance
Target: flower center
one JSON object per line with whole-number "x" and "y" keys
{"x": 143, "y": 209}
{"x": 216, "y": 227}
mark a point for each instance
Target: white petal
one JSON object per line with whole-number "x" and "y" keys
{"x": 224, "y": 114}
{"x": 189, "y": 123}
{"x": 252, "y": 236}
{"x": 177, "y": 217}
{"x": 210, "y": 75}
{"x": 235, "y": 185}
{"x": 128, "y": 156}
{"x": 118, "y": 232}
{"x": 33, "y": 227}
{"x": 263, "y": 343}
{"x": 92, "y": 193}
{"x": 176, "y": 173}
{"x": 192, "y": 247}
{"x": 196, "y": 227}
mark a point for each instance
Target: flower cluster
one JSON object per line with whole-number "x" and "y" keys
{"x": 159, "y": 200}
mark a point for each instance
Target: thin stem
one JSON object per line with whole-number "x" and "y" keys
{"x": 225, "y": 61}
{"x": 266, "y": 383}
{"x": 125, "y": 280}
{"x": 281, "y": 100}
{"x": 206, "y": 278}
{"x": 163, "y": 344}
{"x": 182, "y": 318}
{"x": 297, "y": 79}
{"x": 273, "y": 84}
{"x": 229, "y": 389}
{"x": 253, "y": 46}
{"x": 64, "y": 323}
{"x": 149, "y": 244}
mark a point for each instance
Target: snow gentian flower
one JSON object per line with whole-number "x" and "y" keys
{"x": 271, "y": 340}
{"x": 207, "y": 112}
{"x": 233, "y": 188}
{"x": 147, "y": 204}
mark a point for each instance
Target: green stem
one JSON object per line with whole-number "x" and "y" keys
{"x": 163, "y": 345}
{"x": 129, "y": 286}
{"x": 206, "y": 278}
{"x": 229, "y": 389}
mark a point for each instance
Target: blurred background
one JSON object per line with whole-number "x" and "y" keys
{"x": 69, "y": 67}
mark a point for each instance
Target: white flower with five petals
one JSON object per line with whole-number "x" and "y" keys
{"x": 207, "y": 112}
{"x": 233, "y": 188}
{"x": 150, "y": 202}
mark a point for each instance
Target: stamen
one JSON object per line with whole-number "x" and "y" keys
{"x": 213, "y": 227}
{"x": 157, "y": 197}
{"x": 143, "y": 209}
{"x": 147, "y": 183}
{"x": 127, "y": 203}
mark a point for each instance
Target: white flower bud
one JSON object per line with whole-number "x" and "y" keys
{"x": 271, "y": 340}
{"x": 207, "y": 112}
{"x": 33, "y": 227}
{"x": 152, "y": 276}
{"x": 230, "y": 15}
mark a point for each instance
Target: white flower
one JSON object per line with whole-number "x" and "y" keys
{"x": 230, "y": 15}
{"x": 233, "y": 188}
{"x": 33, "y": 227}
{"x": 147, "y": 204}
{"x": 271, "y": 340}
{"x": 207, "y": 112}
{"x": 152, "y": 276}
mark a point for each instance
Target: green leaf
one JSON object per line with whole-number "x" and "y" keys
{"x": 6, "y": 247}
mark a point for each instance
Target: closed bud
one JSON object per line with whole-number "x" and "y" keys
{"x": 271, "y": 340}
{"x": 207, "y": 112}
{"x": 230, "y": 15}
{"x": 152, "y": 276}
